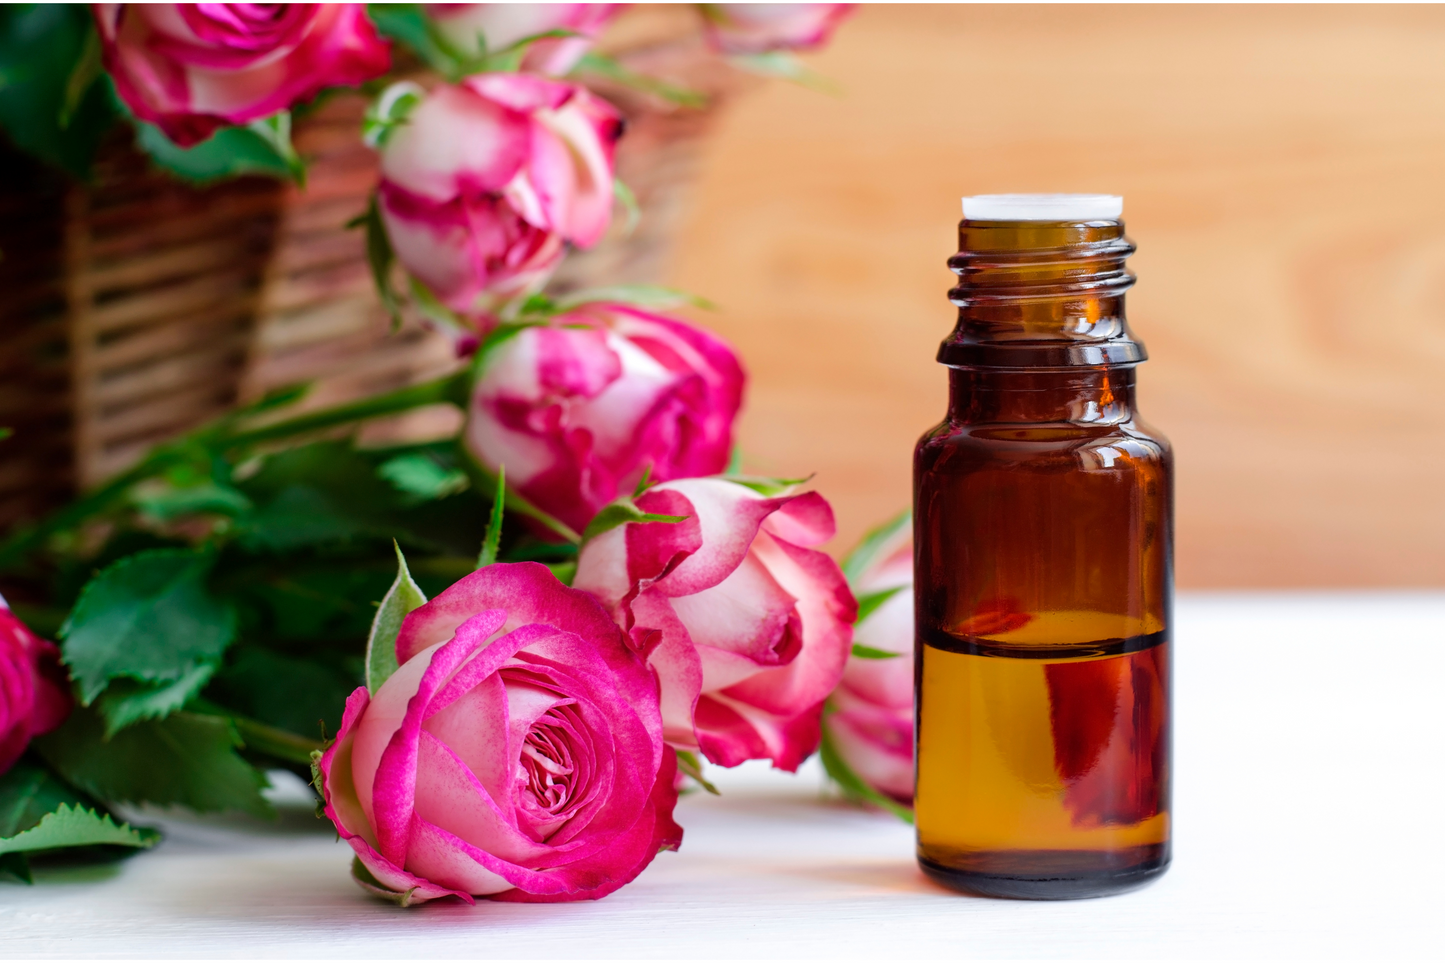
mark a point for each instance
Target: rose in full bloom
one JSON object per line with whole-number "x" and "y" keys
{"x": 517, "y": 752}
{"x": 488, "y": 180}
{"x": 870, "y": 722}
{"x": 34, "y": 696}
{"x": 191, "y": 68}
{"x": 747, "y": 627}
{"x": 579, "y": 409}
{"x": 750, "y": 28}
{"x": 503, "y": 24}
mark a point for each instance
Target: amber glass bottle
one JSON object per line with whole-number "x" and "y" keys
{"x": 1043, "y": 513}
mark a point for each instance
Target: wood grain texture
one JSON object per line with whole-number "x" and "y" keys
{"x": 1283, "y": 170}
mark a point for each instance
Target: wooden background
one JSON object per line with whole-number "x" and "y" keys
{"x": 1283, "y": 170}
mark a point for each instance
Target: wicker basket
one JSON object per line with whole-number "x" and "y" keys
{"x": 137, "y": 307}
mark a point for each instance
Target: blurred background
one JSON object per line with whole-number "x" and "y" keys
{"x": 1283, "y": 170}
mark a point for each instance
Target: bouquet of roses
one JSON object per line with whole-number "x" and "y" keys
{"x": 580, "y": 598}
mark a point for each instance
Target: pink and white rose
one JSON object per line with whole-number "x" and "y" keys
{"x": 487, "y": 181}
{"x": 871, "y": 719}
{"x": 751, "y": 28}
{"x": 747, "y": 626}
{"x": 503, "y": 24}
{"x": 34, "y": 695}
{"x": 579, "y": 409}
{"x": 191, "y": 68}
{"x": 516, "y": 754}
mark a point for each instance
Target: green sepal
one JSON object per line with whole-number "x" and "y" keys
{"x": 276, "y": 132}
{"x": 83, "y": 75}
{"x": 401, "y": 599}
{"x": 639, "y": 295}
{"x": 865, "y": 553}
{"x": 769, "y": 487}
{"x": 67, "y": 826}
{"x": 379, "y": 257}
{"x": 126, "y": 701}
{"x": 868, "y": 652}
{"x": 782, "y": 65}
{"x": 870, "y": 602}
{"x": 602, "y": 65}
{"x": 389, "y": 111}
{"x": 376, "y": 887}
{"x": 691, "y": 766}
{"x": 850, "y": 782}
{"x": 621, "y": 512}
{"x": 492, "y": 540}
{"x": 229, "y": 152}
{"x": 151, "y": 617}
{"x": 186, "y": 759}
{"x": 630, "y": 208}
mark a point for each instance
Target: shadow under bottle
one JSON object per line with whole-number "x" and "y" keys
{"x": 1043, "y": 540}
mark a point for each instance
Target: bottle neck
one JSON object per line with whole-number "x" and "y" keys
{"x": 1041, "y": 294}
{"x": 1084, "y": 396}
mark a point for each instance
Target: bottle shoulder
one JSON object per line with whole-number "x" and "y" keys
{"x": 1134, "y": 443}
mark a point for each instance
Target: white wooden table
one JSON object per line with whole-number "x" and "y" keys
{"x": 1308, "y": 804}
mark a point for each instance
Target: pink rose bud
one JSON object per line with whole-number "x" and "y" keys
{"x": 516, "y": 754}
{"x": 871, "y": 724}
{"x": 487, "y": 180}
{"x": 578, "y": 410}
{"x": 750, "y": 28}
{"x": 34, "y": 693}
{"x": 190, "y": 68}
{"x": 503, "y": 24}
{"x": 746, "y": 626}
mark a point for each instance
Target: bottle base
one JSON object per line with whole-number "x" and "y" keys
{"x": 1047, "y": 875}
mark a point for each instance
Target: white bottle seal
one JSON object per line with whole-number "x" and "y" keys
{"x": 1043, "y": 207}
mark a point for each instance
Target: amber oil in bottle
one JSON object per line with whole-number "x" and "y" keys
{"x": 1043, "y": 513}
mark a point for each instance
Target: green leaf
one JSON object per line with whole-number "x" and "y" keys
{"x": 28, "y": 791}
{"x": 206, "y": 498}
{"x": 125, "y": 701}
{"x": 43, "y": 61}
{"x": 492, "y": 540}
{"x": 641, "y": 295}
{"x": 287, "y": 694}
{"x": 420, "y": 476}
{"x": 299, "y": 515}
{"x": 603, "y": 66}
{"x": 851, "y": 783}
{"x": 6, "y": 433}
{"x": 621, "y": 512}
{"x": 83, "y": 76}
{"x": 403, "y": 598}
{"x": 868, "y": 652}
{"x": 691, "y": 766}
{"x": 869, "y": 602}
{"x": 77, "y": 827}
{"x": 185, "y": 759}
{"x": 150, "y": 617}
{"x": 874, "y": 542}
{"x": 229, "y": 152}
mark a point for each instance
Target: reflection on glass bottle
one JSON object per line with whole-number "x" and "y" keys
{"x": 1043, "y": 513}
